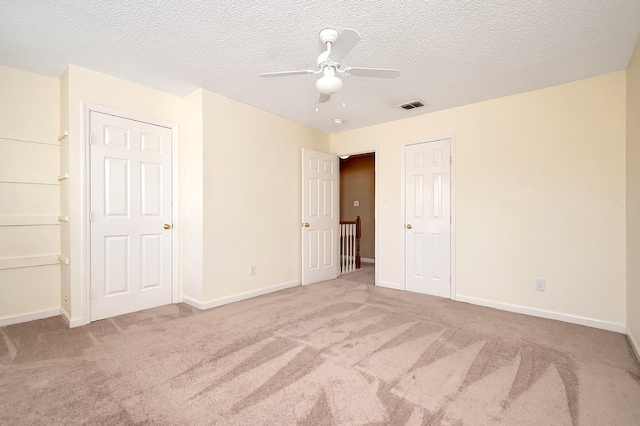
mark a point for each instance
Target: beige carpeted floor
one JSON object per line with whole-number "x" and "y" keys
{"x": 340, "y": 352}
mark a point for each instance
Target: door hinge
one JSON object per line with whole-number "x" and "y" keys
{"x": 90, "y": 293}
{"x": 92, "y": 216}
{"x": 92, "y": 139}
{"x": 450, "y": 160}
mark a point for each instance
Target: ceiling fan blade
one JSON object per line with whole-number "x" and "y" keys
{"x": 284, "y": 73}
{"x": 343, "y": 45}
{"x": 372, "y": 72}
{"x": 323, "y": 98}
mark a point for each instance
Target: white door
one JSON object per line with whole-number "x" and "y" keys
{"x": 320, "y": 216}
{"x": 131, "y": 260}
{"x": 428, "y": 218}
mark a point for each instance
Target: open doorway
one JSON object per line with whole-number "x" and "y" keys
{"x": 357, "y": 204}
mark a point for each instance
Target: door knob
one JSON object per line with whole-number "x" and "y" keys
{"x": 409, "y": 226}
{"x": 306, "y": 225}
{"x": 167, "y": 226}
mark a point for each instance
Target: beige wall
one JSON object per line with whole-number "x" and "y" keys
{"x": 239, "y": 179}
{"x": 540, "y": 193}
{"x": 357, "y": 182}
{"x": 633, "y": 198}
{"x": 80, "y": 86}
{"x": 191, "y": 195}
{"x": 252, "y": 196}
{"x": 29, "y": 195}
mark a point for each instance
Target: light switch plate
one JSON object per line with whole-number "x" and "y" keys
{"x": 356, "y": 204}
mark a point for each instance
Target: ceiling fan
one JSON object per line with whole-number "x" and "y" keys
{"x": 329, "y": 63}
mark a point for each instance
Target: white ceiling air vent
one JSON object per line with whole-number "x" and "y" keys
{"x": 412, "y": 105}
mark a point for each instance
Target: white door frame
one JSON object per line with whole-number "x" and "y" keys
{"x": 403, "y": 206}
{"x": 374, "y": 151}
{"x": 86, "y": 179}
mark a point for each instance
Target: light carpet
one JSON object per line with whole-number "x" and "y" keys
{"x": 341, "y": 352}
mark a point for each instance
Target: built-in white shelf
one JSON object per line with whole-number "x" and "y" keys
{"x": 63, "y": 176}
{"x": 28, "y": 220}
{"x": 17, "y": 135}
{"x": 63, "y": 260}
{"x": 29, "y": 262}
{"x": 31, "y": 182}
{"x": 63, "y": 135}
{"x": 63, "y": 218}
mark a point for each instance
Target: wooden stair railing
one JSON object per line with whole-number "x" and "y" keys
{"x": 350, "y": 234}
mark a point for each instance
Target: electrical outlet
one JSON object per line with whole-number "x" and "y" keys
{"x": 252, "y": 270}
{"x": 540, "y": 283}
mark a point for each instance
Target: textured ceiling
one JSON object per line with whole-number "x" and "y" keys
{"x": 449, "y": 53}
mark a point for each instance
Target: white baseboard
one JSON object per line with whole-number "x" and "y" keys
{"x": 634, "y": 343}
{"x": 390, "y": 285}
{"x": 574, "y": 319}
{"x": 71, "y": 322}
{"x": 208, "y": 304}
{"x": 367, "y": 260}
{"x": 30, "y": 316}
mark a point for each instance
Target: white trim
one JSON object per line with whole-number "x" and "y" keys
{"x": 29, "y": 262}
{"x": 634, "y": 342}
{"x": 176, "y": 236}
{"x": 452, "y": 206}
{"x": 452, "y": 194}
{"x": 28, "y": 220}
{"x": 71, "y": 322}
{"x": 19, "y": 179}
{"x": 31, "y": 316}
{"x": 542, "y": 313}
{"x": 376, "y": 222}
{"x": 394, "y": 286}
{"x": 208, "y": 304}
{"x": 86, "y": 191}
{"x": 17, "y": 135}
{"x": 367, "y": 260}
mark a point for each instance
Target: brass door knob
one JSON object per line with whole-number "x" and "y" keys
{"x": 306, "y": 225}
{"x": 409, "y": 226}
{"x": 167, "y": 226}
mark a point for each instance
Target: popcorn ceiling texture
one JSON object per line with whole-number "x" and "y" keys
{"x": 449, "y": 53}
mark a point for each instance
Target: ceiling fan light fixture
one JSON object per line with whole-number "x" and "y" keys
{"x": 329, "y": 83}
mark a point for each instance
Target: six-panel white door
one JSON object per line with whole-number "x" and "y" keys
{"x": 428, "y": 218}
{"x": 131, "y": 262}
{"x": 320, "y": 216}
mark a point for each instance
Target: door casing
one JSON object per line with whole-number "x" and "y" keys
{"x": 86, "y": 202}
